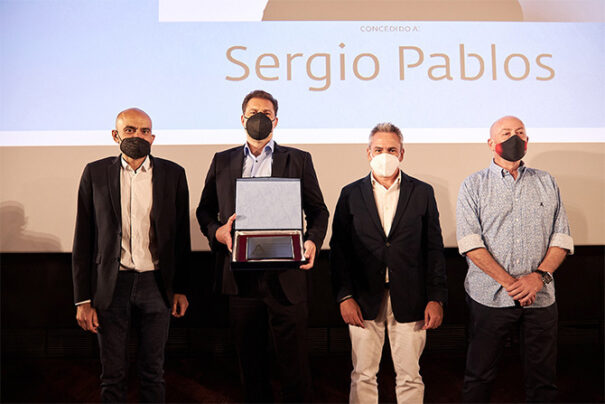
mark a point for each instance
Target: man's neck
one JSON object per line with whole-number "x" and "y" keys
{"x": 257, "y": 146}
{"x": 133, "y": 163}
{"x": 386, "y": 182}
{"x": 511, "y": 166}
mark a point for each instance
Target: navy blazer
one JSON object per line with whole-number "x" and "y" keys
{"x": 217, "y": 204}
{"x": 412, "y": 251}
{"x": 98, "y": 234}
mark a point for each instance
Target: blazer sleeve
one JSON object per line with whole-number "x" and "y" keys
{"x": 84, "y": 240}
{"x": 208, "y": 208}
{"x": 341, "y": 246}
{"x": 435, "y": 276}
{"x": 316, "y": 212}
{"x": 183, "y": 236}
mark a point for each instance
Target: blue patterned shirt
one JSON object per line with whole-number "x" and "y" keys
{"x": 516, "y": 221}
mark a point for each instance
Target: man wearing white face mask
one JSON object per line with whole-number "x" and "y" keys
{"x": 388, "y": 268}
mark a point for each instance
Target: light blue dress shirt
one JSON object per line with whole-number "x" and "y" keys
{"x": 258, "y": 166}
{"x": 516, "y": 221}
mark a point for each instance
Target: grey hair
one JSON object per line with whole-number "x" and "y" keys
{"x": 386, "y": 127}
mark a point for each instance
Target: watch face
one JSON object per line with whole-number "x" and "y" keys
{"x": 546, "y": 277}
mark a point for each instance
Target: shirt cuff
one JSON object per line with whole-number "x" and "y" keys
{"x": 470, "y": 242}
{"x": 83, "y": 301}
{"x": 562, "y": 240}
{"x": 347, "y": 297}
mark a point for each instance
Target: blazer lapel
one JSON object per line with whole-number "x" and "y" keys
{"x": 113, "y": 179}
{"x": 280, "y": 157}
{"x": 405, "y": 192}
{"x": 236, "y": 167}
{"x": 157, "y": 182}
{"x": 368, "y": 197}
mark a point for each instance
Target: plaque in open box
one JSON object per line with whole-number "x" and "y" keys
{"x": 268, "y": 225}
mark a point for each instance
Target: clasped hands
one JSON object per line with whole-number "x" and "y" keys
{"x": 223, "y": 236}
{"x": 524, "y": 288}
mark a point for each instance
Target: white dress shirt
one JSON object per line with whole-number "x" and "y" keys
{"x": 136, "y": 194}
{"x": 386, "y": 204}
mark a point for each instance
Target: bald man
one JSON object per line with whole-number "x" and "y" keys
{"x": 513, "y": 230}
{"x": 130, "y": 256}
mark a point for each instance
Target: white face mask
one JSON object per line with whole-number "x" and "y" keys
{"x": 384, "y": 165}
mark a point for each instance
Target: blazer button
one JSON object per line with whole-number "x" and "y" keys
{"x": 388, "y": 244}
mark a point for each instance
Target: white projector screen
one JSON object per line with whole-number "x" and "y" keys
{"x": 442, "y": 70}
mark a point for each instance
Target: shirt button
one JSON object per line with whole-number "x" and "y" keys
{"x": 388, "y": 244}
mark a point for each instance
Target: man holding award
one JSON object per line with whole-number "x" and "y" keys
{"x": 266, "y": 297}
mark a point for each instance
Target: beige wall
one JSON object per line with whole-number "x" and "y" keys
{"x": 38, "y": 185}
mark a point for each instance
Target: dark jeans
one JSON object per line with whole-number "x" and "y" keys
{"x": 137, "y": 300}
{"x": 488, "y": 328}
{"x": 255, "y": 319}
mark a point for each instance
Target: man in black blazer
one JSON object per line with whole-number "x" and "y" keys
{"x": 264, "y": 299}
{"x": 388, "y": 268}
{"x": 130, "y": 256}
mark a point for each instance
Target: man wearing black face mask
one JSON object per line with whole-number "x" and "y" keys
{"x": 263, "y": 301}
{"x": 513, "y": 230}
{"x": 130, "y": 256}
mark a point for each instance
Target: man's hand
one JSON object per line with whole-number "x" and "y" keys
{"x": 223, "y": 233}
{"x": 525, "y": 288}
{"x": 351, "y": 313}
{"x": 433, "y": 315}
{"x": 179, "y": 305}
{"x": 86, "y": 315}
{"x": 309, "y": 254}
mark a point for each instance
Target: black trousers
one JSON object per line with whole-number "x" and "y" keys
{"x": 488, "y": 328}
{"x": 137, "y": 300}
{"x": 265, "y": 316}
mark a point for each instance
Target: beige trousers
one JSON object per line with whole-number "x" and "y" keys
{"x": 407, "y": 341}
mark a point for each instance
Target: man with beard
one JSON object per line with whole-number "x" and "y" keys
{"x": 130, "y": 256}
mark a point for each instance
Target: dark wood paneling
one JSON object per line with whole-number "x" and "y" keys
{"x": 38, "y": 315}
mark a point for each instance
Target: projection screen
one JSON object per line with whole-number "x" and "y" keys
{"x": 442, "y": 70}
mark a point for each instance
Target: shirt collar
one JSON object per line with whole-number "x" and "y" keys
{"x": 375, "y": 183}
{"x": 496, "y": 169}
{"x": 145, "y": 166}
{"x": 269, "y": 147}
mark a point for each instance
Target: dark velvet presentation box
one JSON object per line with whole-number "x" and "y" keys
{"x": 268, "y": 230}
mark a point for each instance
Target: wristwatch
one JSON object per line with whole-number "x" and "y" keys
{"x": 546, "y": 276}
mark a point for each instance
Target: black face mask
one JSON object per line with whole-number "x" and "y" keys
{"x": 259, "y": 126}
{"x": 513, "y": 149}
{"x": 135, "y": 147}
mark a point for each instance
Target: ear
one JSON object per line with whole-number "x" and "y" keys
{"x": 401, "y": 154}
{"x": 491, "y": 144}
{"x": 114, "y": 135}
{"x": 243, "y": 120}
{"x": 275, "y": 122}
{"x": 152, "y": 139}
{"x": 369, "y": 152}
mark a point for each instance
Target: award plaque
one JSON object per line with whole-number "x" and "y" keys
{"x": 268, "y": 230}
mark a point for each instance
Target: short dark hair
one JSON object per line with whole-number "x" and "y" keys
{"x": 259, "y": 94}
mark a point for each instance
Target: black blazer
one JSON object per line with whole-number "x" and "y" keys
{"x": 413, "y": 250}
{"x": 97, "y": 240}
{"x": 217, "y": 204}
